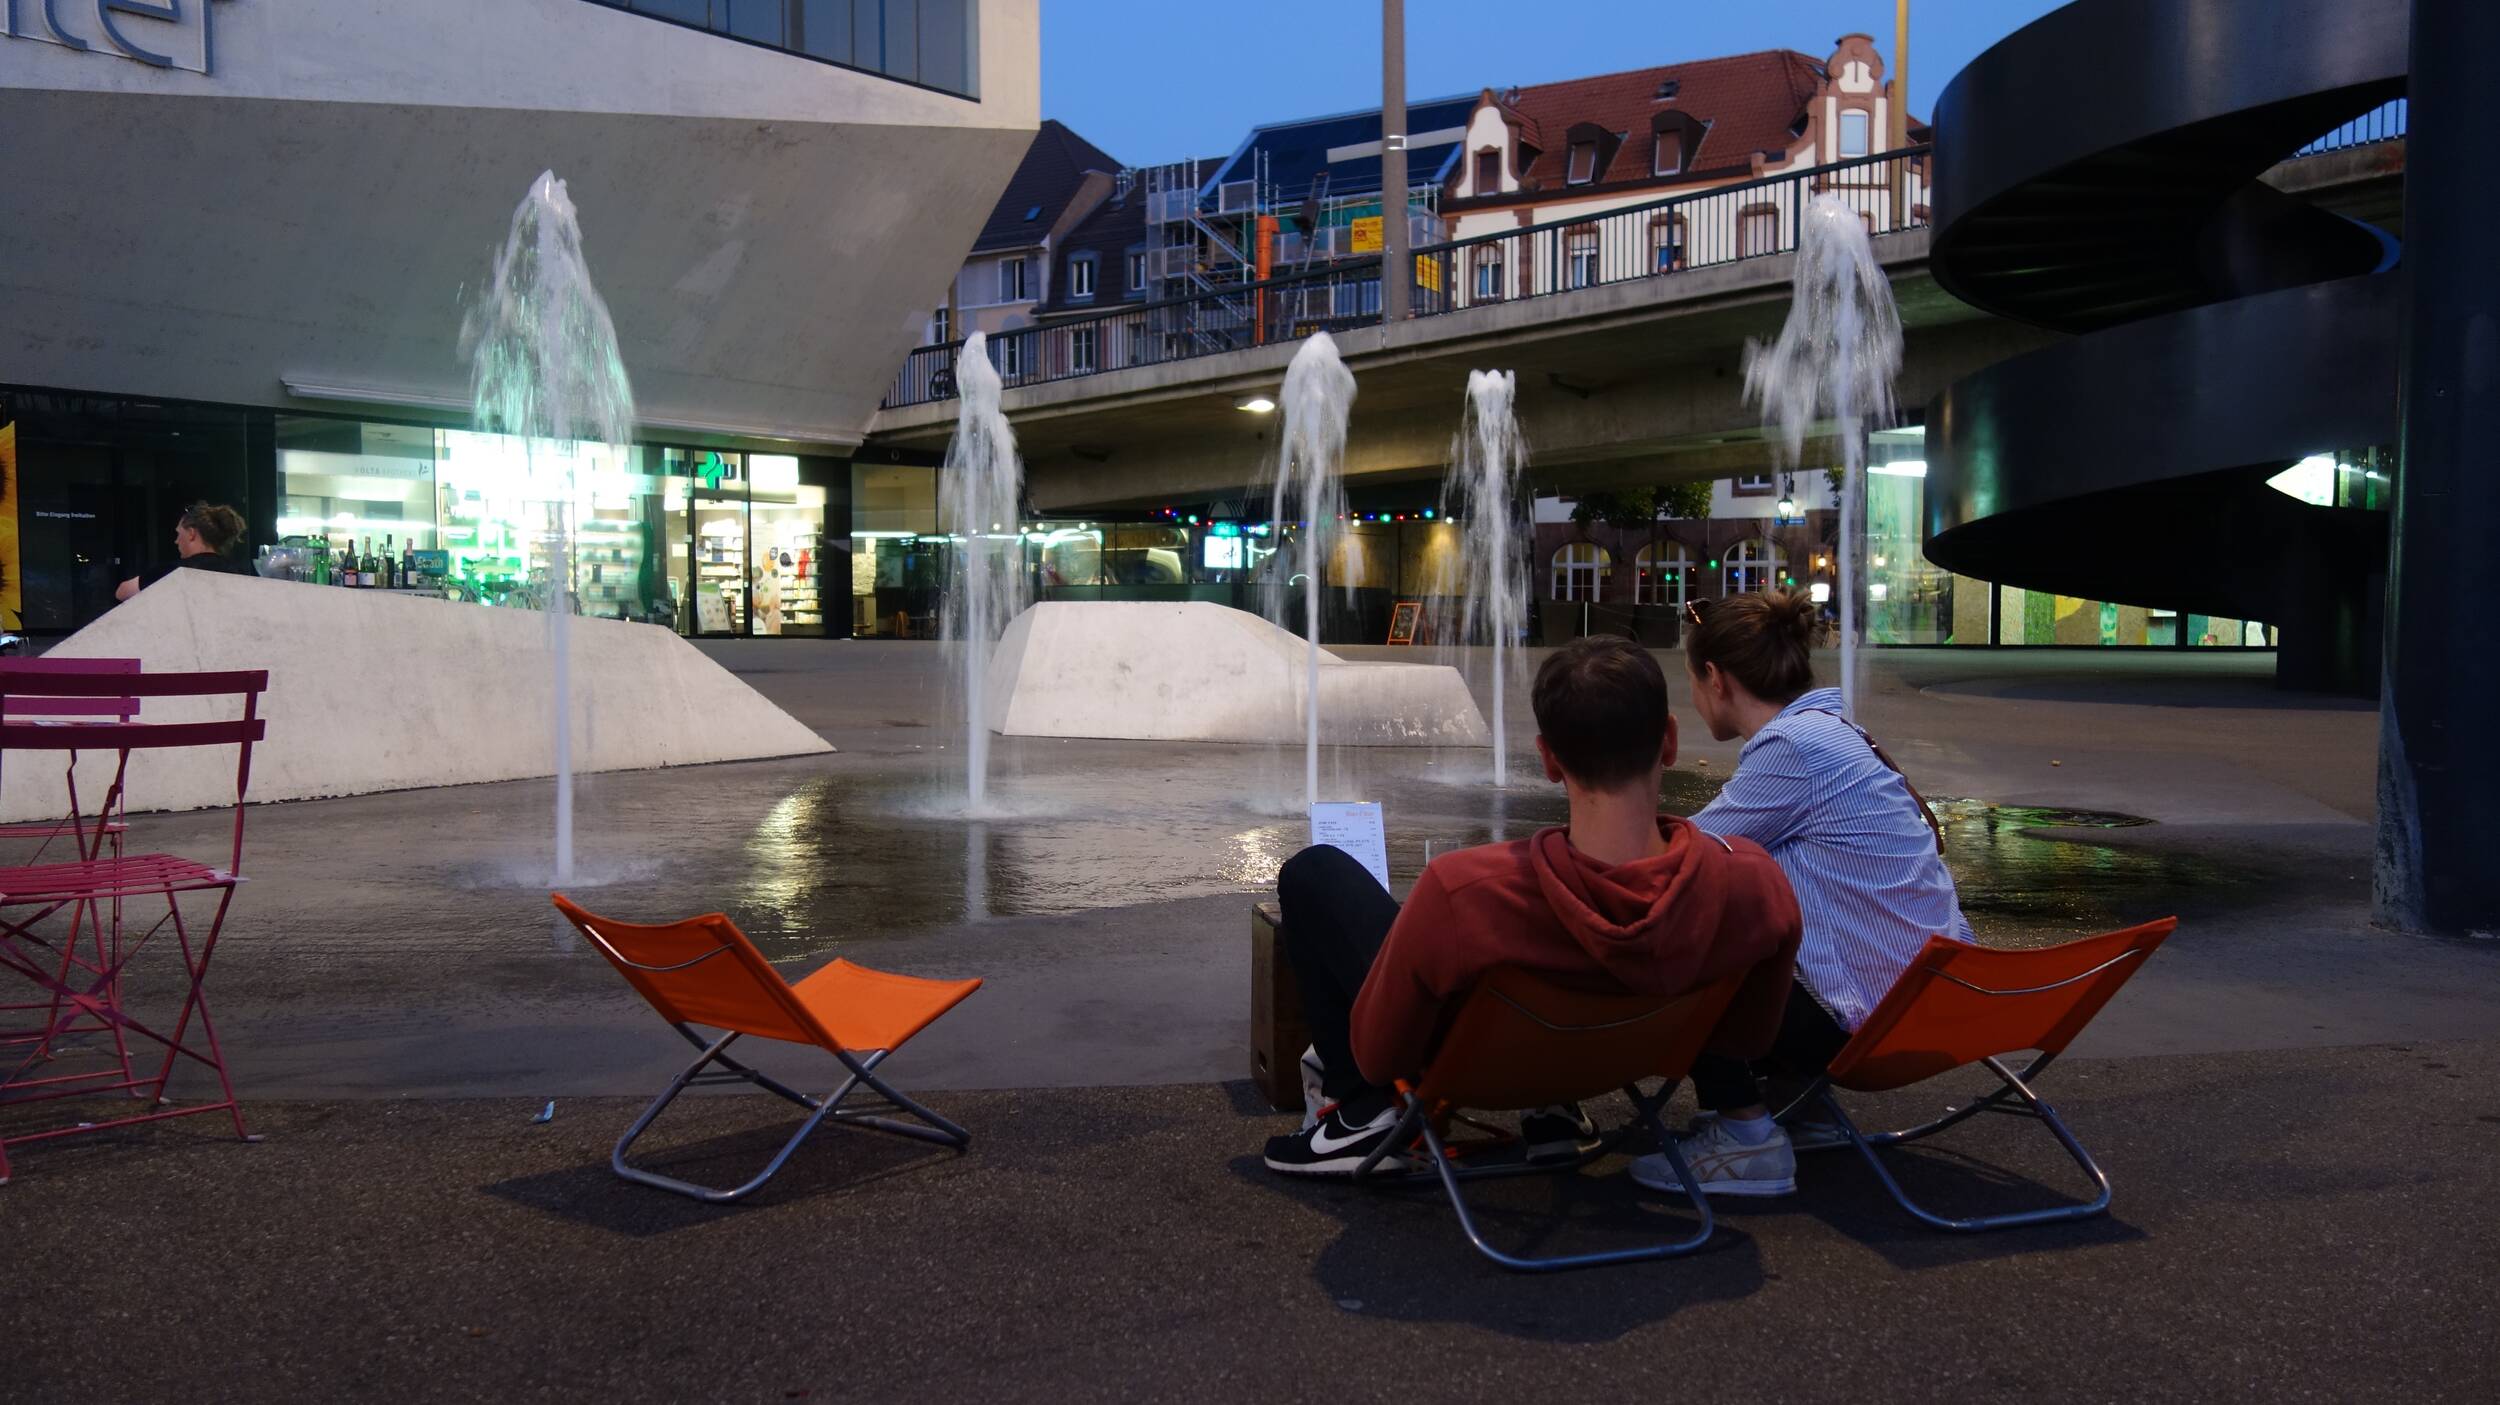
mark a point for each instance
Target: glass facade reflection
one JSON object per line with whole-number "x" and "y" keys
{"x": 932, "y": 43}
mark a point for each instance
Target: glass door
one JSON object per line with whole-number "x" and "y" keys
{"x": 721, "y": 586}
{"x": 721, "y": 578}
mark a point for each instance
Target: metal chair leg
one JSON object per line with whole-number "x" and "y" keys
{"x": 2035, "y": 1106}
{"x": 1450, "y": 1178}
{"x": 829, "y": 1107}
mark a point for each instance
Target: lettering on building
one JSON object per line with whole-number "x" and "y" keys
{"x": 159, "y": 33}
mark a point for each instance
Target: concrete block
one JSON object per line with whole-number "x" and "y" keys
{"x": 1198, "y": 671}
{"x": 370, "y": 692}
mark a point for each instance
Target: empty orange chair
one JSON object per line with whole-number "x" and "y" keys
{"x": 1521, "y": 1042}
{"x": 704, "y": 971}
{"x": 1960, "y": 1004}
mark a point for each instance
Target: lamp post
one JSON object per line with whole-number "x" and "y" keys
{"x": 1396, "y": 269}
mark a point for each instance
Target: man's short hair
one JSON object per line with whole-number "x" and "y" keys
{"x": 1601, "y": 705}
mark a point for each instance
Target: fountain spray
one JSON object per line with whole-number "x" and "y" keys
{"x": 981, "y": 491}
{"x": 1310, "y": 473}
{"x": 544, "y": 366}
{"x": 1482, "y": 495}
{"x": 1835, "y": 359}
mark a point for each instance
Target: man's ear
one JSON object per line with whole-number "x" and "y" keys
{"x": 1553, "y": 768}
{"x": 1666, "y": 754}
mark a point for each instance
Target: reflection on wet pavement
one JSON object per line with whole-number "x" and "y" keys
{"x": 847, "y": 856}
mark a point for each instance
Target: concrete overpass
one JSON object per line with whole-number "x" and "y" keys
{"x": 1626, "y": 384}
{"x": 1636, "y": 382}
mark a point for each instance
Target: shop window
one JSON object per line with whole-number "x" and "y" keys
{"x": 1662, "y": 572}
{"x": 1751, "y": 566}
{"x": 1081, "y": 278}
{"x": 1580, "y": 570}
{"x": 1583, "y": 163}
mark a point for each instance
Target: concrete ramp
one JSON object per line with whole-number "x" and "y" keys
{"x": 370, "y": 691}
{"x": 1202, "y": 672}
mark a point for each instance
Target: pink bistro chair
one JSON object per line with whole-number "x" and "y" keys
{"x": 196, "y": 897}
{"x": 91, "y": 838}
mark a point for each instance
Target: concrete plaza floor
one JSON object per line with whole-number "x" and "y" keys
{"x": 2295, "y": 1105}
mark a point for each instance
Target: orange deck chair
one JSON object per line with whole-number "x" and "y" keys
{"x": 1959, "y": 1004}
{"x": 704, "y": 971}
{"x": 1521, "y": 1042}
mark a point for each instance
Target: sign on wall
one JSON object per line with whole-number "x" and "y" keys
{"x": 1367, "y": 235}
{"x": 160, "y": 33}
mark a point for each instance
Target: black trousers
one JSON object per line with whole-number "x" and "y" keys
{"x": 1808, "y": 1038}
{"x": 1336, "y": 915}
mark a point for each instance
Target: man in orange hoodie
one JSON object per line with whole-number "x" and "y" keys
{"x": 1621, "y": 898}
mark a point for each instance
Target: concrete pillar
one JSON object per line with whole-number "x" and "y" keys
{"x": 2439, "y": 743}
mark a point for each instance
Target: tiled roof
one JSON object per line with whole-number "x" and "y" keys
{"x": 1749, "y": 101}
{"x": 1045, "y": 180}
{"x": 1107, "y": 234}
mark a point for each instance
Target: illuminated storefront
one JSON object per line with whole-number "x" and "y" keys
{"x": 702, "y": 541}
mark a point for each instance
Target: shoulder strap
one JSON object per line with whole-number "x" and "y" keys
{"x": 1925, "y": 810}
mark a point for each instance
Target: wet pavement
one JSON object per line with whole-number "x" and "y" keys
{"x": 402, "y": 943}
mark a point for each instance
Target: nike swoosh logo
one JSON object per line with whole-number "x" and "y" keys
{"x": 1326, "y": 1145}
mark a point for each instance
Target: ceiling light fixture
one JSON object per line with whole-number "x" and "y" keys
{"x": 1257, "y": 405}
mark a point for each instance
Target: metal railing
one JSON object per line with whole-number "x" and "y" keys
{"x": 2385, "y": 122}
{"x": 1699, "y": 229}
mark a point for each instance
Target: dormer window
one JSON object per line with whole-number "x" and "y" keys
{"x": 1583, "y": 163}
{"x": 1081, "y": 277}
{"x": 1669, "y": 159}
{"x": 1668, "y": 89}
{"x": 1488, "y": 172}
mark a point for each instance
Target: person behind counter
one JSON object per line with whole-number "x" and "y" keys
{"x": 203, "y": 537}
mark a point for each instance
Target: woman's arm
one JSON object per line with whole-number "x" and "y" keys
{"x": 126, "y": 589}
{"x": 1768, "y": 798}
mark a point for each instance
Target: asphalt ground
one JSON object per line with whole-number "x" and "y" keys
{"x": 2294, "y": 1103}
{"x": 2292, "y": 1225}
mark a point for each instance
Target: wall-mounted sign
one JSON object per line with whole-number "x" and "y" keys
{"x": 1367, "y": 235}
{"x": 160, "y": 33}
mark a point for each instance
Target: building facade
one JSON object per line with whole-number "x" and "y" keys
{"x": 1013, "y": 268}
{"x": 1554, "y": 152}
{"x": 265, "y": 223}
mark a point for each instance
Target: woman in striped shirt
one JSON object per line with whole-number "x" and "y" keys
{"x": 1856, "y": 844}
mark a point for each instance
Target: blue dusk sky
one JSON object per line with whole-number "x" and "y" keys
{"x": 1152, "y": 81}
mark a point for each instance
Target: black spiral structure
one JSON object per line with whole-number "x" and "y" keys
{"x": 2097, "y": 172}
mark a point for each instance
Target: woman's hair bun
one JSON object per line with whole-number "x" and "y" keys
{"x": 1793, "y": 614}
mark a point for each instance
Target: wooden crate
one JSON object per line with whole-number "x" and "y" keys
{"x": 1277, "y": 1032}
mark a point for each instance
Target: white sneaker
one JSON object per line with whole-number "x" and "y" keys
{"x": 1804, "y": 1134}
{"x": 1723, "y": 1165}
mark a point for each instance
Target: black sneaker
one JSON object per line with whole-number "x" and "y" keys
{"x": 1558, "y": 1133}
{"x": 1336, "y": 1145}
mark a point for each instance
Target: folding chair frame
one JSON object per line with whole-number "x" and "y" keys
{"x": 1646, "y": 1107}
{"x": 861, "y": 1063}
{"x": 2016, "y": 1087}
